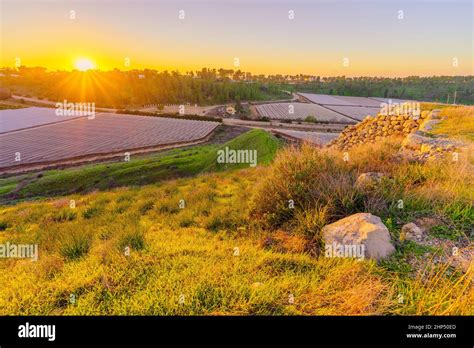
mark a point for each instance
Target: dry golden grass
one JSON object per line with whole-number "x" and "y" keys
{"x": 218, "y": 259}
{"x": 459, "y": 123}
{"x": 174, "y": 252}
{"x": 437, "y": 290}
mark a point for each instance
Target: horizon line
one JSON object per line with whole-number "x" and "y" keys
{"x": 180, "y": 72}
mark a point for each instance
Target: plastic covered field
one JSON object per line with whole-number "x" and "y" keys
{"x": 355, "y": 112}
{"x": 299, "y": 111}
{"x": 105, "y": 134}
{"x": 16, "y": 119}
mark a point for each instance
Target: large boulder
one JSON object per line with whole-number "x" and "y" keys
{"x": 360, "y": 229}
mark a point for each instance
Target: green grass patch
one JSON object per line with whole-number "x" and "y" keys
{"x": 142, "y": 170}
{"x": 262, "y": 143}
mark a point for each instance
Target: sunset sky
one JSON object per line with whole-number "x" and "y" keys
{"x": 259, "y": 32}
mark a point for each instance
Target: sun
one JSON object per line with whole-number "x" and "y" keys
{"x": 84, "y": 64}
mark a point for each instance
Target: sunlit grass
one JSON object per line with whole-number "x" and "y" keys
{"x": 221, "y": 243}
{"x": 458, "y": 122}
{"x": 215, "y": 267}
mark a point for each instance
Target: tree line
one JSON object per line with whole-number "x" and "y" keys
{"x": 134, "y": 88}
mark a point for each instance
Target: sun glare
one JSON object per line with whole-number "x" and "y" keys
{"x": 84, "y": 64}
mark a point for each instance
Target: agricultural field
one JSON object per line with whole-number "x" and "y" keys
{"x": 354, "y": 112}
{"x": 300, "y": 111}
{"x": 323, "y": 99}
{"x": 84, "y": 137}
{"x": 14, "y": 119}
{"x": 326, "y": 108}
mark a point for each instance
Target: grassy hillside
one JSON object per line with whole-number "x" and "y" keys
{"x": 174, "y": 252}
{"x": 214, "y": 255}
{"x": 140, "y": 170}
{"x": 223, "y": 242}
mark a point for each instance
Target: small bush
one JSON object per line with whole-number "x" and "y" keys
{"x": 146, "y": 207}
{"x": 75, "y": 245}
{"x": 224, "y": 220}
{"x": 65, "y": 215}
{"x": 309, "y": 179}
{"x": 90, "y": 212}
{"x": 134, "y": 239}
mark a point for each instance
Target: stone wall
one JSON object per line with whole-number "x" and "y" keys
{"x": 372, "y": 129}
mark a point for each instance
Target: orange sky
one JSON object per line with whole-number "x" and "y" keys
{"x": 260, "y": 34}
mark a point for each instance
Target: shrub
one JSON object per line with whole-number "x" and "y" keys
{"x": 64, "y": 215}
{"x": 321, "y": 185}
{"x": 224, "y": 219}
{"x": 134, "y": 239}
{"x": 146, "y": 207}
{"x": 311, "y": 119}
{"x": 311, "y": 179}
{"x": 91, "y": 212}
{"x": 75, "y": 245}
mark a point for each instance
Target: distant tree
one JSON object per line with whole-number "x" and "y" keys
{"x": 238, "y": 106}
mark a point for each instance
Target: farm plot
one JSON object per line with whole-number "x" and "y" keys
{"x": 105, "y": 134}
{"x": 299, "y": 111}
{"x": 354, "y": 112}
{"x": 16, "y": 119}
{"x": 360, "y": 101}
{"x": 316, "y": 138}
{"x": 323, "y": 99}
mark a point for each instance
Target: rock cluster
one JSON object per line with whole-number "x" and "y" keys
{"x": 372, "y": 129}
{"x": 426, "y": 147}
{"x": 458, "y": 254}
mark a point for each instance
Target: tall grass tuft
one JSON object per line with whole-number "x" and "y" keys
{"x": 75, "y": 245}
